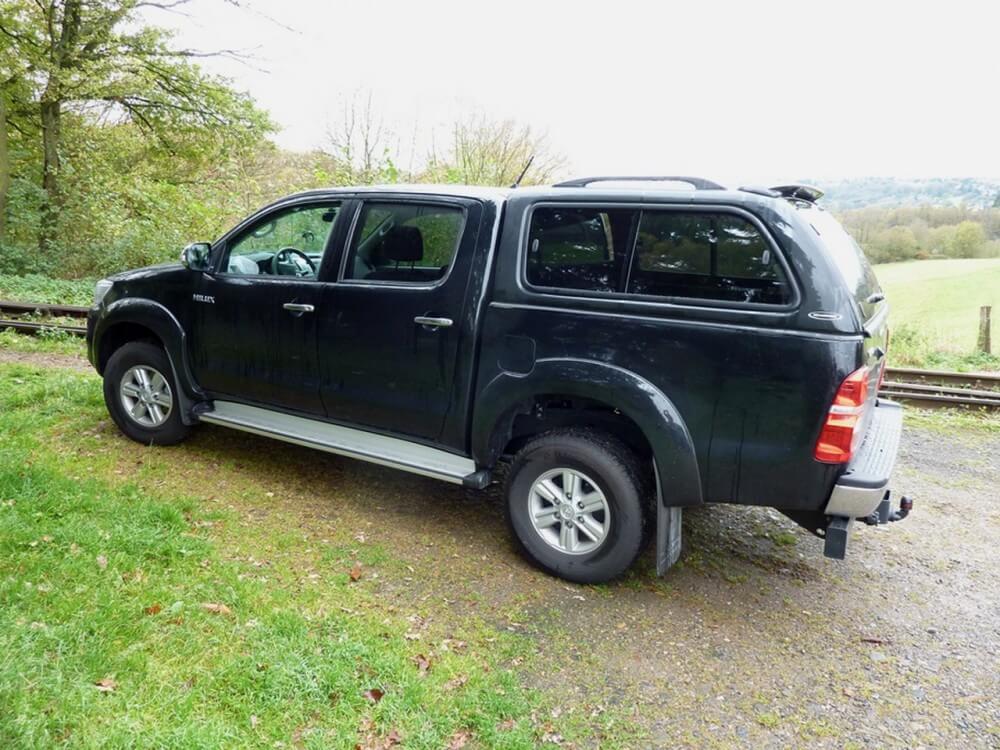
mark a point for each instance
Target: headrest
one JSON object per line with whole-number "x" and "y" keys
{"x": 403, "y": 244}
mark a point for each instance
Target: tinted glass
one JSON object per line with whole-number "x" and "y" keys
{"x": 579, "y": 248}
{"x": 289, "y": 243}
{"x": 847, "y": 255}
{"x": 404, "y": 242}
{"x": 705, "y": 256}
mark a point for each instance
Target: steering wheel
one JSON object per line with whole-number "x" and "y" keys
{"x": 297, "y": 258}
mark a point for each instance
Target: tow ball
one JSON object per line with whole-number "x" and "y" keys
{"x": 885, "y": 514}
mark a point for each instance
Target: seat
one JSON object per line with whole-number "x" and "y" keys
{"x": 401, "y": 245}
{"x": 243, "y": 265}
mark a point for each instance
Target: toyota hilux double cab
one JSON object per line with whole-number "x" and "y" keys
{"x": 623, "y": 347}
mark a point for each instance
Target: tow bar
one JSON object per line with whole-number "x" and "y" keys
{"x": 885, "y": 514}
{"x": 835, "y": 539}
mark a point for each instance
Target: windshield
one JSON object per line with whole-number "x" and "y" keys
{"x": 847, "y": 256}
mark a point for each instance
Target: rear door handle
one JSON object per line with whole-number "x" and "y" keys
{"x": 296, "y": 307}
{"x": 435, "y": 322}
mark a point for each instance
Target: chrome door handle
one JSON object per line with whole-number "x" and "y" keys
{"x": 296, "y": 307}
{"x": 435, "y": 322}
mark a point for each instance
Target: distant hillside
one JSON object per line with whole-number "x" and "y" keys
{"x": 842, "y": 195}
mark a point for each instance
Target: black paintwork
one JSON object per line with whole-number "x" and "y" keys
{"x": 730, "y": 398}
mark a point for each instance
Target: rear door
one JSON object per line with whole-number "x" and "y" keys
{"x": 391, "y": 326}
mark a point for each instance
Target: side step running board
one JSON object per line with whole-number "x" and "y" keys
{"x": 344, "y": 441}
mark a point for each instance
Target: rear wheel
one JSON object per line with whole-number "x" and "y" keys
{"x": 575, "y": 504}
{"x": 141, "y": 395}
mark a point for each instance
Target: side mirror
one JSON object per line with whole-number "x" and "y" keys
{"x": 196, "y": 256}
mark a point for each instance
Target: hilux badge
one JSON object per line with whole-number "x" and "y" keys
{"x": 203, "y": 298}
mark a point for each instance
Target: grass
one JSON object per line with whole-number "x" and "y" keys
{"x": 954, "y": 421}
{"x": 44, "y": 342}
{"x": 935, "y": 311}
{"x": 110, "y": 633}
{"x": 38, "y": 288}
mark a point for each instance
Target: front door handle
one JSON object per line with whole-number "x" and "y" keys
{"x": 423, "y": 320}
{"x": 296, "y": 307}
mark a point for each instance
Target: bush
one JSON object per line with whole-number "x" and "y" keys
{"x": 908, "y": 346}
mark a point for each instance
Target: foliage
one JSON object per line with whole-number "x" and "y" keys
{"x": 38, "y": 288}
{"x": 921, "y": 232}
{"x": 494, "y": 153}
{"x": 112, "y": 133}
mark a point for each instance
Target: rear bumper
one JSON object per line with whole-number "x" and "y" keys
{"x": 861, "y": 488}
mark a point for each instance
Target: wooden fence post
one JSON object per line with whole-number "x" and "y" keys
{"x": 983, "y": 344}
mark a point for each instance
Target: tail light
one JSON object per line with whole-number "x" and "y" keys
{"x": 840, "y": 434}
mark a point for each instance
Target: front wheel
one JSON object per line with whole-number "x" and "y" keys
{"x": 141, "y": 395}
{"x": 575, "y": 504}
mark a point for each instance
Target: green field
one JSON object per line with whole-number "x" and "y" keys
{"x": 935, "y": 310}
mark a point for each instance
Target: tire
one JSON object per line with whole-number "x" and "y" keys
{"x": 157, "y": 419}
{"x": 605, "y": 478}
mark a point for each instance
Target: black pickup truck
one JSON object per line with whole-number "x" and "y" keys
{"x": 630, "y": 346}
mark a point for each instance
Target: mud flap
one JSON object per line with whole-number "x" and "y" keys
{"x": 668, "y": 531}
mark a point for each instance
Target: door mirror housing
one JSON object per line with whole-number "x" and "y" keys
{"x": 196, "y": 256}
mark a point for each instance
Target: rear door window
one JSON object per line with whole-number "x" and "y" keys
{"x": 708, "y": 256}
{"x": 847, "y": 256}
{"x": 579, "y": 247}
{"x": 404, "y": 243}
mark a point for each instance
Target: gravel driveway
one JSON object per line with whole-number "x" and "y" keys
{"x": 754, "y": 639}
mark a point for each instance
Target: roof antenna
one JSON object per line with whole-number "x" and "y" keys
{"x": 524, "y": 171}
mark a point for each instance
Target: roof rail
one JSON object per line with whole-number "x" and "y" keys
{"x": 696, "y": 182}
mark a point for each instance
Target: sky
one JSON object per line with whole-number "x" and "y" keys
{"x": 733, "y": 91}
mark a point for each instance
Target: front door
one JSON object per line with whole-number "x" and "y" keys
{"x": 254, "y": 337}
{"x": 391, "y": 325}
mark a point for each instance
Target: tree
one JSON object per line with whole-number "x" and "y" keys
{"x": 484, "y": 152}
{"x": 4, "y": 167}
{"x": 93, "y": 59}
{"x": 996, "y": 201}
{"x": 361, "y": 145}
{"x": 969, "y": 240}
{"x": 895, "y": 243}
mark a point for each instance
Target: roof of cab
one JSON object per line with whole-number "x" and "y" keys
{"x": 596, "y": 192}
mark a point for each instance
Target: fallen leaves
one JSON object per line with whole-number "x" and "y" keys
{"x": 456, "y": 682}
{"x": 459, "y": 739}
{"x": 374, "y": 695}
{"x": 153, "y": 609}
{"x": 102, "y": 562}
{"x": 355, "y": 574}
{"x": 423, "y": 664}
{"x": 106, "y": 685}
{"x": 215, "y": 608}
{"x": 370, "y": 740}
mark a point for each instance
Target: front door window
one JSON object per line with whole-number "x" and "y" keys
{"x": 289, "y": 243}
